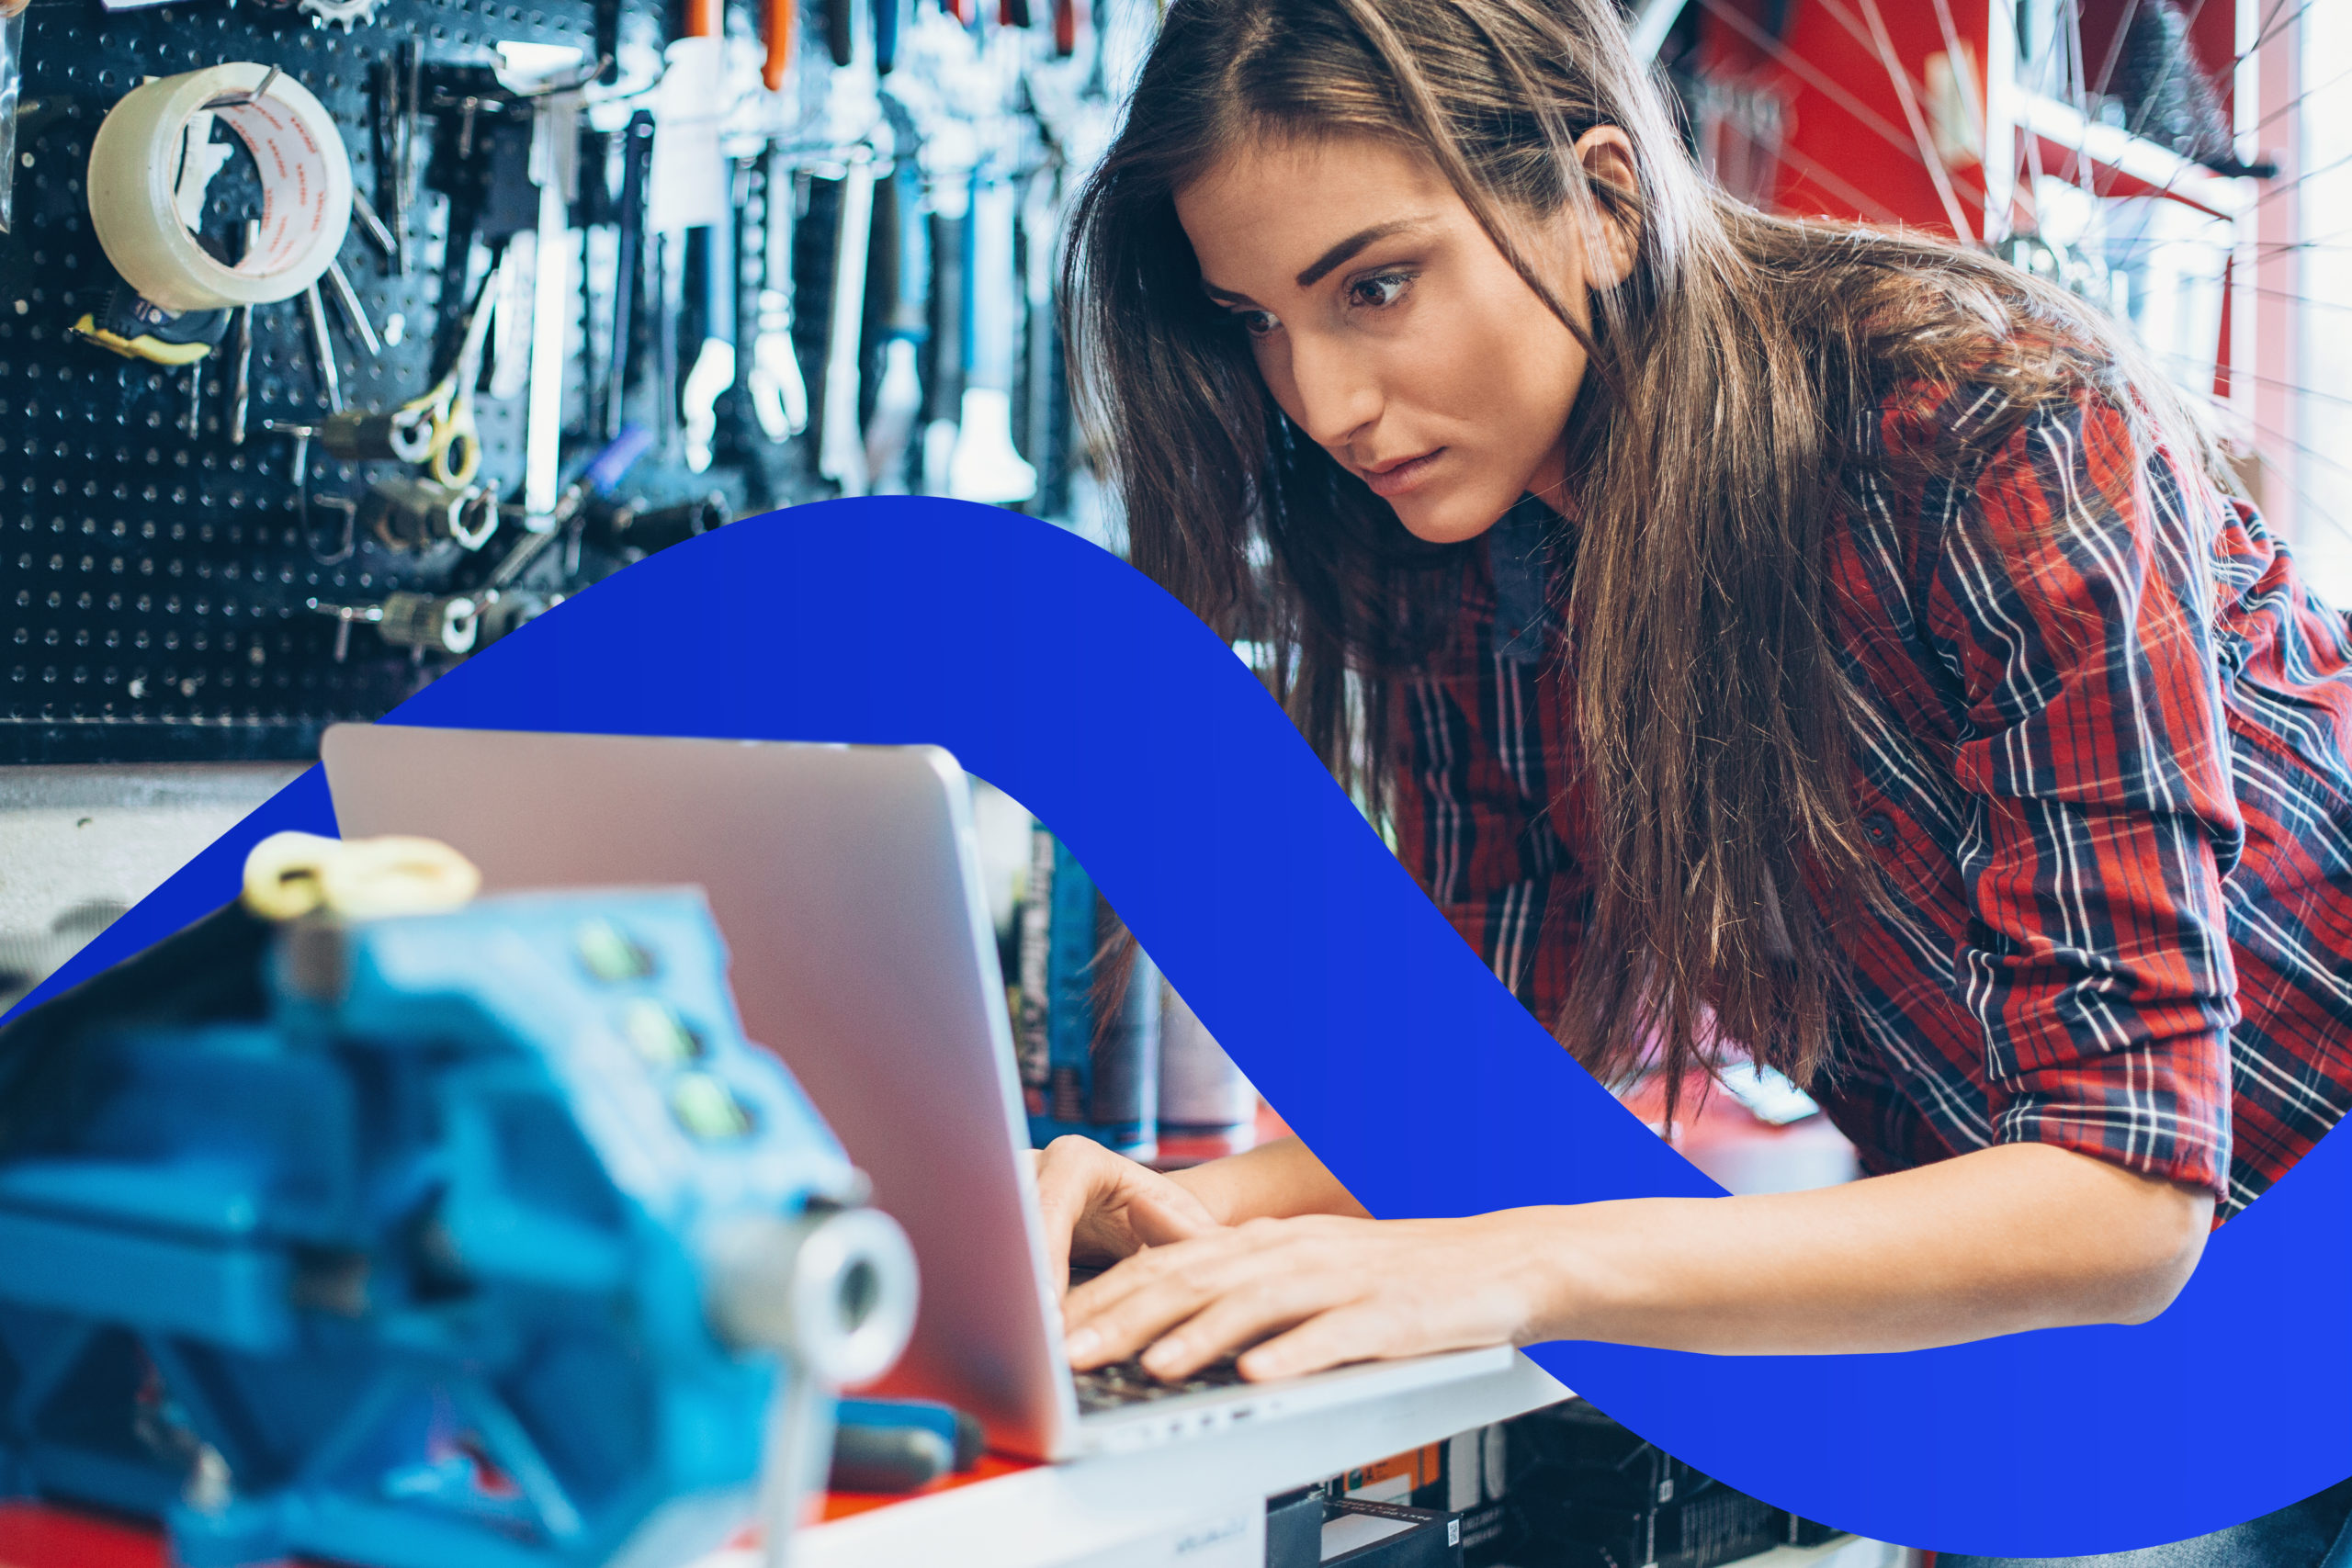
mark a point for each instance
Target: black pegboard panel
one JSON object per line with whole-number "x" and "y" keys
{"x": 153, "y": 583}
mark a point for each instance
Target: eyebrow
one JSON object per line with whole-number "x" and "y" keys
{"x": 1336, "y": 255}
{"x": 1351, "y": 245}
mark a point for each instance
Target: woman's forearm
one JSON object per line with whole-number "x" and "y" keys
{"x": 1277, "y": 1179}
{"x": 2004, "y": 1239}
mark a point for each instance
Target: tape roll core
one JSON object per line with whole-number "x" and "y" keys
{"x": 305, "y": 182}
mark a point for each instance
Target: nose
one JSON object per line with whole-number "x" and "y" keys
{"x": 1335, "y": 394}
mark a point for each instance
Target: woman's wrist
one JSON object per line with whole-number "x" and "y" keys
{"x": 1546, "y": 1269}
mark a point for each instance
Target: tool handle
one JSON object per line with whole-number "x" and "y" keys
{"x": 610, "y": 466}
{"x": 1012, "y": 13}
{"x": 637, "y": 153}
{"x": 946, "y": 381}
{"x": 455, "y": 455}
{"x": 717, "y": 278}
{"x": 841, "y": 31}
{"x": 1065, "y": 29}
{"x": 782, "y": 20}
{"x": 886, "y": 34}
{"x": 702, "y": 18}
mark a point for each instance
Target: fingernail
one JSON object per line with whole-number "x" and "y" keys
{"x": 1163, "y": 1354}
{"x": 1083, "y": 1344}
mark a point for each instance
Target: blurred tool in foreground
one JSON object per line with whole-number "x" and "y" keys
{"x": 384, "y": 1225}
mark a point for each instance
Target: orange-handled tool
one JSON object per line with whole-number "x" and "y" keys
{"x": 702, "y": 19}
{"x": 783, "y": 21}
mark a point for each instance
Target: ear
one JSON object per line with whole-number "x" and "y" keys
{"x": 1607, "y": 155}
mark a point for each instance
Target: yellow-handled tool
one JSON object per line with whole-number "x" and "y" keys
{"x": 453, "y": 450}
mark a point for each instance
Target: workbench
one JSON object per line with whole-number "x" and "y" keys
{"x": 1201, "y": 1502}
{"x": 1137, "y": 1508}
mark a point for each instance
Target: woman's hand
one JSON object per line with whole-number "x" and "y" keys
{"x": 1100, "y": 1207}
{"x": 1327, "y": 1288}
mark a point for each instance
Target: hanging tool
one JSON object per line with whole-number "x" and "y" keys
{"x": 840, "y": 32}
{"x": 453, "y": 447}
{"x": 1012, "y": 13}
{"x": 840, "y": 449}
{"x": 410, "y": 88}
{"x": 363, "y": 436}
{"x": 408, "y": 512}
{"x": 779, "y": 394}
{"x": 780, "y": 19}
{"x": 1039, "y": 218}
{"x": 637, "y": 155}
{"x": 887, "y": 14}
{"x": 242, "y": 383}
{"x": 986, "y": 467}
{"x": 555, "y": 145}
{"x": 1065, "y": 29}
{"x": 943, "y": 383}
{"x": 668, "y": 255}
{"x": 372, "y": 225}
{"x": 12, "y": 74}
{"x": 711, "y": 260}
{"x": 897, "y": 397}
{"x": 642, "y": 530}
{"x": 604, "y": 470}
{"x": 301, "y": 475}
{"x": 353, "y": 310}
{"x": 424, "y": 621}
{"x": 689, "y": 189}
{"x": 136, "y": 328}
{"x": 323, "y": 347}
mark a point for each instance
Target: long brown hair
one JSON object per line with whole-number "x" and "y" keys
{"x": 1710, "y": 448}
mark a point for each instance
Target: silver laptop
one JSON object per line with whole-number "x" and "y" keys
{"x": 847, "y": 883}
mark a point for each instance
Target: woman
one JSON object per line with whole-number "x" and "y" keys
{"x": 1769, "y": 636}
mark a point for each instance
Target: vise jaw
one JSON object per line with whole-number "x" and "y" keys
{"x": 439, "y": 1240}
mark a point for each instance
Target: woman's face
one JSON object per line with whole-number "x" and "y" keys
{"x": 1390, "y": 329}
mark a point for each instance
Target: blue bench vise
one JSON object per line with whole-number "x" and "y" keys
{"x": 470, "y": 1239}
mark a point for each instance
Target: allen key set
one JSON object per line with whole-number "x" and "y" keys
{"x": 340, "y": 338}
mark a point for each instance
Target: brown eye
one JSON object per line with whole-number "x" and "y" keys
{"x": 1379, "y": 292}
{"x": 1257, "y": 323}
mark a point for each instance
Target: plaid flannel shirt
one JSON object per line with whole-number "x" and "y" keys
{"x": 2102, "y": 766}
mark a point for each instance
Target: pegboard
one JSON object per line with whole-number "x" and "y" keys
{"x": 154, "y": 582}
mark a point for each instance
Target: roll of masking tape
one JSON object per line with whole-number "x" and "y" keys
{"x": 305, "y": 182}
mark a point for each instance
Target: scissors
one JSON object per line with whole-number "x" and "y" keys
{"x": 445, "y": 414}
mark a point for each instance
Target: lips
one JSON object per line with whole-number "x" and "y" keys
{"x": 1405, "y": 474}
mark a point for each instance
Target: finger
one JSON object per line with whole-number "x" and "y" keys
{"x": 1355, "y": 1332}
{"x": 1198, "y": 1259}
{"x": 1263, "y": 1305}
{"x": 1165, "y": 1213}
{"x": 1147, "y": 1310}
{"x": 1200, "y": 1255}
{"x": 1068, "y": 1185}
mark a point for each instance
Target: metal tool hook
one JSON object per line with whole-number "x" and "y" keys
{"x": 239, "y": 98}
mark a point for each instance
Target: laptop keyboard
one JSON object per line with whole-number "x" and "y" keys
{"x": 1117, "y": 1387}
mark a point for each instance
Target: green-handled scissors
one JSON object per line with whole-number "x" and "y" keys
{"x": 445, "y": 414}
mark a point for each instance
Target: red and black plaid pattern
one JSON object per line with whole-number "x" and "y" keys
{"x": 2103, "y": 763}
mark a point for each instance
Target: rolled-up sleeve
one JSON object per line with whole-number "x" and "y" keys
{"x": 2070, "y": 605}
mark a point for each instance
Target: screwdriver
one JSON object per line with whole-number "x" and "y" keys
{"x": 782, "y": 20}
